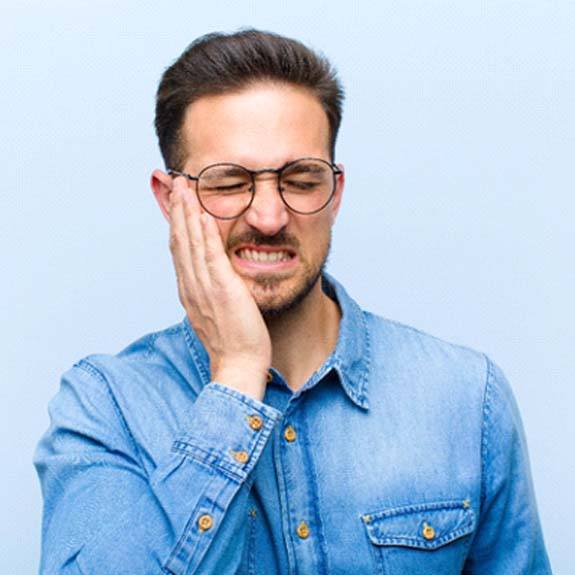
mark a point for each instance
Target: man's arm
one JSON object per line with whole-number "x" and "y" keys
{"x": 104, "y": 514}
{"x": 509, "y": 540}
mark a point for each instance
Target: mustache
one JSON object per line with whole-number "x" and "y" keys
{"x": 255, "y": 238}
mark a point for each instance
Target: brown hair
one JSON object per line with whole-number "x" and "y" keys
{"x": 217, "y": 63}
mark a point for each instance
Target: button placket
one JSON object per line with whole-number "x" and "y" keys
{"x": 205, "y": 522}
{"x": 300, "y": 495}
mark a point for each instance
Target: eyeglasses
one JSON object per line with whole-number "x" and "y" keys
{"x": 226, "y": 191}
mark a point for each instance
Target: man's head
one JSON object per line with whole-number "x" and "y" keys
{"x": 223, "y": 63}
{"x": 260, "y": 101}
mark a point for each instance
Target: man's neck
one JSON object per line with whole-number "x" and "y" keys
{"x": 304, "y": 338}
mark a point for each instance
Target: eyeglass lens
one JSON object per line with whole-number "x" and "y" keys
{"x": 226, "y": 190}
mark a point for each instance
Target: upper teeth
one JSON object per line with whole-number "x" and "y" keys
{"x": 263, "y": 256}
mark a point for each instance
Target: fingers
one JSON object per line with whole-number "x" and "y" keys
{"x": 179, "y": 238}
{"x": 197, "y": 246}
{"x": 215, "y": 254}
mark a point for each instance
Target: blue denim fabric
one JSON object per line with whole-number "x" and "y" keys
{"x": 407, "y": 457}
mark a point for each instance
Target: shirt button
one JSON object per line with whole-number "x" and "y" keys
{"x": 270, "y": 376}
{"x": 428, "y": 532}
{"x": 205, "y": 522}
{"x": 241, "y": 456}
{"x": 290, "y": 434}
{"x": 255, "y": 422}
{"x": 302, "y": 530}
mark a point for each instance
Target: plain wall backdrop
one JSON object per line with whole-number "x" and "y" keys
{"x": 458, "y": 140}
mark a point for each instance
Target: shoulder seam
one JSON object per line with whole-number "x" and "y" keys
{"x": 486, "y": 414}
{"x": 91, "y": 369}
{"x": 158, "y": 334}
{"x": 425, "y": 334}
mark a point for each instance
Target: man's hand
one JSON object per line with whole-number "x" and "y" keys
{"x": 218, "y": 303}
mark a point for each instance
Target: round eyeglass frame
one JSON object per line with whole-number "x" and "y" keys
{"x": 253, "y": 173}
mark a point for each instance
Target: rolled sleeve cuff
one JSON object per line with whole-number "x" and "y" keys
{"x": 229, "y": 430}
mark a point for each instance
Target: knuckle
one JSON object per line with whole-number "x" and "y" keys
{"x": 176, "y": 239}
{"x": 196, "y": 244}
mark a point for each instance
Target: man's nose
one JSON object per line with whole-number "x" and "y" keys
{"x": 268, "y": 213}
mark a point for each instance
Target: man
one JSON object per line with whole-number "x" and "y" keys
{"x": 278, "y": 428}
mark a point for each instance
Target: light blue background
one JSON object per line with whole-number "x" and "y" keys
{"x": 458, "y": 139}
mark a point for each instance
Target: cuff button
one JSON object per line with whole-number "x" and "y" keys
{"x": 241, "y": 456}
{"x": 255, "y": 422}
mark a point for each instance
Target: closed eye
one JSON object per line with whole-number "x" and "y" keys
{"x": 299, "y": 185}
{"x": 240, "y": 187}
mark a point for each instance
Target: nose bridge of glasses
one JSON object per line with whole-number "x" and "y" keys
{"x": 271, "y": 176}
{"x": 267, "y": 201}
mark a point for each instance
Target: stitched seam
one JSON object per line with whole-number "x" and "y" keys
{"x": 367, "y": 359}
{"x": 181, "y": 543}
{"x": 212, "y": 509}
{"x": 415, "y": 544}
{"x": 170, "y": 331}
{"x": 89, "y": 368}
{"x": 484, "y": 435}
{"x": 425, "y": 334}
{"x": 316, "y": 500}
{"x": 211, "y": 459}
{"x": 151, "y": 345}
{"x": 228, "y": 392}
{"x": 204, "y": 375}
{"x": 414, "y": 541}
{"x": 408, "y": 509}
{"x": 251, "y": 551}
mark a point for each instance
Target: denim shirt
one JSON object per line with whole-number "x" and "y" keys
{"x": 401, "y": 455}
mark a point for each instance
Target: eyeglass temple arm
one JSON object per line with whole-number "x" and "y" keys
{"x": 172, "y": 172}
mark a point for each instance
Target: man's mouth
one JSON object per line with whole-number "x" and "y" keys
{"x": 264, "y": 255}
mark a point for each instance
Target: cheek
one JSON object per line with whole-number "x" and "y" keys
{"x": 317, "y": 238}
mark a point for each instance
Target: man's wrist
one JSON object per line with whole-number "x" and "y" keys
{"x": 247, "y": 379}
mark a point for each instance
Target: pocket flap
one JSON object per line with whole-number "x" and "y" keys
{"x": 425, "y": 526}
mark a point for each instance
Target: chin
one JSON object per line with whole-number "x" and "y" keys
{"x": 276, "y": 297}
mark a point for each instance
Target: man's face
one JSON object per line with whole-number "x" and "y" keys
{"x": 278, "y": 253}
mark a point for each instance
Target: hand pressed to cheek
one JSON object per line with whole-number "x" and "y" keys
{"x": 219, "y": 306}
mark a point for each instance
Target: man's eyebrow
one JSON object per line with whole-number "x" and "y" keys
{"x": 225, "y": 170}
{"x": 304, "y": 168}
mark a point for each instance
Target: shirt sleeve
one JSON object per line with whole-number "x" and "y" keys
{"x": 509, "y": 539}
{"x": 105, "y": 513}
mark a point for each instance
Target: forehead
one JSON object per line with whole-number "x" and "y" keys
{"x": 263, "y": 125}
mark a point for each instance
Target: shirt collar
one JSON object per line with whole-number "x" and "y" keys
{"x": 350, "y": 358}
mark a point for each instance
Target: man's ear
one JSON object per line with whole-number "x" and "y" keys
{"x": 339, "y": 186}
{"x": 161, "y": 184}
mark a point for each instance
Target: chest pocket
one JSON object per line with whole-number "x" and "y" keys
{"x": 431, "y": 538}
